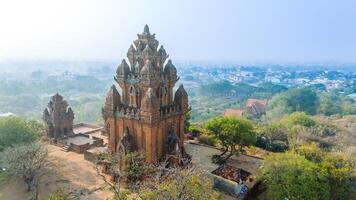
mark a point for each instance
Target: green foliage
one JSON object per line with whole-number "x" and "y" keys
{"x": 348, "y": 107}
{"x": 60, "y": 194}
{"x": 232, "y": 131}
{"x": 297, "y": 118}
{"x": 269, "y": 144}
{"x": 183, "y": 185}
{"x": 187, "y": 122}
{"x": 135, "y": 166}
{"x": 207, "y": 139}
{"x": 330, "y": 103}
{"x": 293, "y": 100}
{"x": 270, "y": 89}
{"x": 272, "y": 137}
{"x": 3, "y": 177}
{"x": 341, "y": 176}
{"x": 275, "y": 131}
{"x": 195, "y": 129}
{"x": 291, "y": 176}
{"x": 15, "y": 130}
{"x": 311, "y": 152}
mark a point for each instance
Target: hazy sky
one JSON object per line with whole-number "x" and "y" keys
{"x": 205, "y": 30}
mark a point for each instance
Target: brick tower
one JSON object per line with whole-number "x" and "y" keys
{"x": 148, "y": 116}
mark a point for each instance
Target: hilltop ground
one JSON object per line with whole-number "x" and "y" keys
{"x": 69, "y": 171}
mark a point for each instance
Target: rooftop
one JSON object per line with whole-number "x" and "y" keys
{"x": 86, "y": 128}
{"x": 79, "y": 139}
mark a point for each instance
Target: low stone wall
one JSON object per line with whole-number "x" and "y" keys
{"x": 99, "y": 142}
{"x": 79, "y": 148}
{"x": 222, "y": 184}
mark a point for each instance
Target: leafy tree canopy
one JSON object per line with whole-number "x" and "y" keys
{"x": 232, "y": 131}
{"x": 294, "y": 100}
{"x": 15, "y": 130}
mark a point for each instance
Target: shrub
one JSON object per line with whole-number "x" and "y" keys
{"x": 291, "y": 176}
{"x": 311, "y": 152}
{"x": 60, "y": 194}
{"x": 297, "y": 118}
{"x": 267, "y": 143}
{"x": 207, "y": 139}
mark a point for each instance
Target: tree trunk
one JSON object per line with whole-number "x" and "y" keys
{"x": 226, "y": 149}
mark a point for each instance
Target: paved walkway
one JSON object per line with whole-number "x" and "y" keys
{"x": 201, "y": 156}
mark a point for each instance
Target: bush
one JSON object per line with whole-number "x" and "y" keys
{"x": 60, "y": 194}
{"x": 341, "y": 176}
{"x": 311, "y": 152}
{"x": 278, "y": 146}
{"x": 266, "y": 143}
{"x": 324, "y": 130}
{"x": 207, "y": 139}
{"x": 297, "y": 118}
{"x": 275, "y": 132}
{"x": 195, "y": 130}
{"x": 135, "y": 166}
{"x": 291, "y": 176}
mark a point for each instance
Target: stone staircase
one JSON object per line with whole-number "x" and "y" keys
{"x": 65, "y": 148}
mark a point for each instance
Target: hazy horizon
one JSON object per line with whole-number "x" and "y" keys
{"x": 191, "y": 31}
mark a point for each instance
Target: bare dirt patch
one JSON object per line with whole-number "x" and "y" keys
{"x": 69, "y": 171}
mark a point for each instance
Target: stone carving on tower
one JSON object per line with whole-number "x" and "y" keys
{"x": 148, "y": 116}
{"x": 58, "y": 118}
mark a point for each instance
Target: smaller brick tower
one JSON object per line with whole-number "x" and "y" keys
{"x": 58, "y": 117}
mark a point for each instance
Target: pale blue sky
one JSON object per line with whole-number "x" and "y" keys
{"x": 192, "y": 30}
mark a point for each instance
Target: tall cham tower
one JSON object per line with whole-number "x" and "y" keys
{"x": 148, "y": 116}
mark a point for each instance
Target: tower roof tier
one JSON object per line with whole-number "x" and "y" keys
{"x": 143, "y": 50}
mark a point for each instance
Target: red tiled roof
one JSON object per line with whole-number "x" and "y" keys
{"x": 233, "y": 112}
{"x": 256, "y": 106}
{"x": 250, "y": 102}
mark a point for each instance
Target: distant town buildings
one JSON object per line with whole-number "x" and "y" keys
{"x": 291, "y": 76}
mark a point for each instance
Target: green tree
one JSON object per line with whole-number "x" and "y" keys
{"x": 291, "y": 176}
{"x": 294, "y": 100}
{"x": 231, "y": 132}
{"x": 330, "y": 103}
{"x": 15, "y": 130}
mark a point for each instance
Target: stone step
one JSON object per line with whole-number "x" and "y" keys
{"x": 65, "y": 148}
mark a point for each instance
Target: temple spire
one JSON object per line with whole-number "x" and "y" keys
{"x": 146, "y": 29}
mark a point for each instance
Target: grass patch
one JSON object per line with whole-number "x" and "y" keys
{"x": 3, "y": 178}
